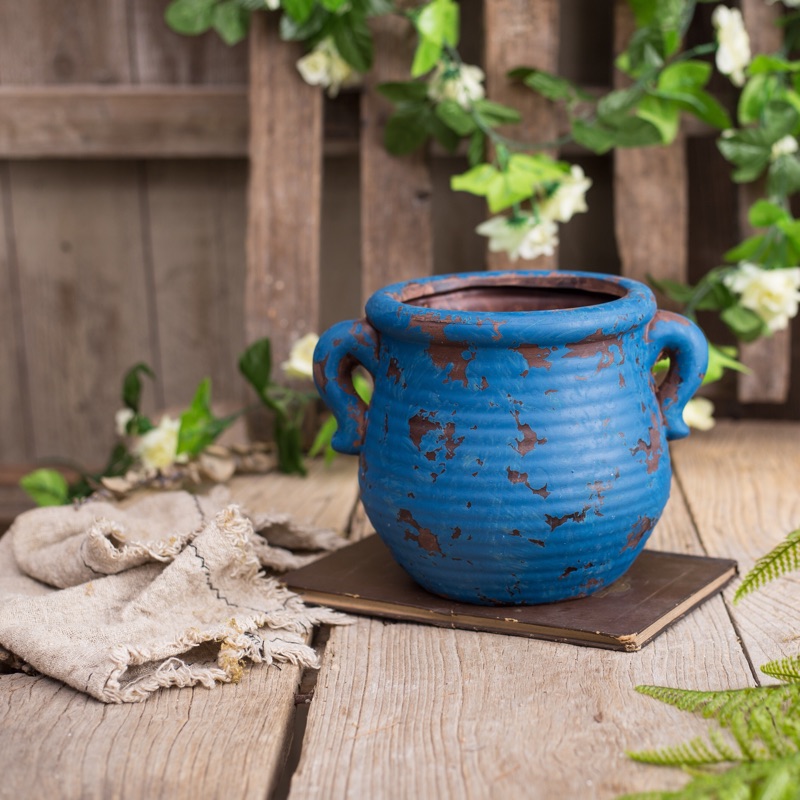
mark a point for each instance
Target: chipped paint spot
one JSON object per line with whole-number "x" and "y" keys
{"x": 515, "y": 532}
{"x": 621, "y": 381}
{"x": 394, "y": 370}
{"x": 522, "y": 477}
{"x": 575, "y": 516}
{"x": 423, "y": 536}
{"x": 652, "y": 449}
{"x": 529, "y": 438}
{"x": 484, "y": 383}
{"x": 535, "y": 356}
{"x": 539, "y": 542}
{"x": 568, "y": 571}
{"x": 421, "y": 424}
{"x": 598, "y": 342}
{"x": 456, "y": 533}
{"x": 641, "y": 527}
{"x": 551, "y": 391}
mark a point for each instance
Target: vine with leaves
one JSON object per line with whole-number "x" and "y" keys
{"x": 756, "y": 288}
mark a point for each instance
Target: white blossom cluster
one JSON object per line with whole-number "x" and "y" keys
{"x": 773, "y": 294}
{"x": 325, "y": 67}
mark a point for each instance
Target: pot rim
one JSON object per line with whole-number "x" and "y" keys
{"x": 630, "y": 304}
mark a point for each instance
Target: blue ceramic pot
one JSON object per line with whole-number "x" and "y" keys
{"x": 515, "y": 448}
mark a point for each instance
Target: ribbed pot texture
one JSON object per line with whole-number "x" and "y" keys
{"x": 515, "y": 447}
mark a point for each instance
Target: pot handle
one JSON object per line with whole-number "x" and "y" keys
{"x": 687, "y": 348}
{"x": 339, "y": 351}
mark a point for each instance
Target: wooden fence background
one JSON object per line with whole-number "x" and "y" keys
{"x": 126, "y": 233}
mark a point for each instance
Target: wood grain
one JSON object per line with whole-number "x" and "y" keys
{"x": 651, "y": 198}
{"x": 284, "y": 196}
{"x": 769, "y": 359}
{"x": 197, "y": 218}
{"x": 522, "y": 33}
{"x": 741, "y": 485}
{"x": 122, "y": 122}
{"x": 411, "y": 711}
{"x": 83, "y": 299}
{"x": 396, "y": 192}
{"x": 182, "y": 743}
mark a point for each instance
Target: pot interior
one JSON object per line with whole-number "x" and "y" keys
{"x": 510, "y": 297}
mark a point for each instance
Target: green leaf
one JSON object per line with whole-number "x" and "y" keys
{"x": 783, "y": 178}
{"x": 475, "y": 181}
{"x": 132, "y": 385}
{"x": 426, "y": 57}
{"x": 443, "y": 134}
{"x": 288, "y": 440}
{"x": 477, "y": 148}
{"x": 119, "y": 462}
{"x": 455, "y": 117}
{"x": 782, "y": 559}
{"x": 596, "y": 138}
{"x": 46, "y": 487}
{"x": 439, "y": 22}
{"x": 404, "y": 91}
{"x": 763, "y": 213}
{"x": 312, "y": 28}
{"x": 322, "y": 441}
{"x": 407, "y": 129}
{"x": 791, "y": 229}
{"x": 614, "y": 107}
{"x": 685, "y": 75}
{"x": 755, "y": 94}
{"x": 189, "y": 17}
{"x": 746, "y": 324}
{"x": 748, "y": 150}
{"x": 550, "y": 86}
{"x": 332, "y": 5}
{"x": 644, "y": 11}
{"x": 353, "y": 40}
{"x": 720, "y": 359}
{"x": 780, "y": 119}
{"x": 763, "y": 64}
{"x": 298, "y": 10}
{"x": 661, "y": 113}
{"x": 199, "y": 427}
{"x": 701, "y": 104}
{"x": 231, "y": 21}
{"x": 636, "y": 132}
{"x": 495, "y": 113}
{"x": 256, "y": 365}
{"x": 672, "y": 289}
{"x": 746, "y": 250}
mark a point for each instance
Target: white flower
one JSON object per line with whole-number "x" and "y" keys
{"x": 733, "y": 50}
{"x": 272, "y": 5}
{"x": 301, "y": 357}
{"x": 783, "y": 147}
{"x": 774, "y": 294}
{"x": 121, "y": 420}
{"x": 462, "y": 83}
{"x": 569, "y": 198}
{"x": 157, "y": 448}
{"x": 699, "y": 413}
{"x": 520, "y": 237}
{"x": 323, "y": 66}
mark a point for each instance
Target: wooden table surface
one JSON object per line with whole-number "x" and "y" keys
{"x": 410, "y": 711}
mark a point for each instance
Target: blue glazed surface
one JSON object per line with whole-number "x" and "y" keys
{"x": 512, "y": 456}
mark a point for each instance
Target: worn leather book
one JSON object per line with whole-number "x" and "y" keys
{"x": 657, "y": 590}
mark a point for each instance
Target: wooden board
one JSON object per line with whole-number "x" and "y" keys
{"x": 196, "y": 214}
{"x": 284, "y": 196}
{"x": 85, "y": 306}
{"x": 396, "y": 236}
{"x": 769, "y": 359}
{"x": 522, "y": 33}
{"x": 182, "y": 743}
{"x": 651, "y": 217}
{"x": 740, "y": 481}
{"x": 409, "y": 711}
{"x": 126, "y": 122}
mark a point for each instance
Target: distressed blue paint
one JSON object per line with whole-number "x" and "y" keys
{"x": 512, "y": 456}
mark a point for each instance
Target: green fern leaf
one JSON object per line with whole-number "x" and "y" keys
{"x": 784, "y": 669}
{"x": 695, "y": 753}
{"x": 783, "y": 558}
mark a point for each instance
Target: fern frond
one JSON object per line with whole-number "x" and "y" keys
{"x": 695, "y": 753}
{"x": 784, "y": 669}
{"x": 783, "y": 558}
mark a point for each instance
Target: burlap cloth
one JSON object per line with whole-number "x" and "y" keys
{"x": 167, "y": 592}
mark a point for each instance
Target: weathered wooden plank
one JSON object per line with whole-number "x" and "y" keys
{"x": 159, "y": 55}
{"x": 197, "y": 221}
{"x": 741, "y": 485}
{"x": 183, "y": 743}
{"x": 126, "y": 122}
{"x": 83, "y": 299}
{"x": 769, "y": 359}
{"x": 522, "y": 32}
{"x": 84, "y": 41}
{"x": 651, "y": 219}
{"x": 284, "y": 197}
{"x": 16, "y": 432}
{"x": 396, "y": 236}
{"x": 412, "y": 711}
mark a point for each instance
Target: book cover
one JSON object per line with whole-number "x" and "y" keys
{"x": 657, "y": 590}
